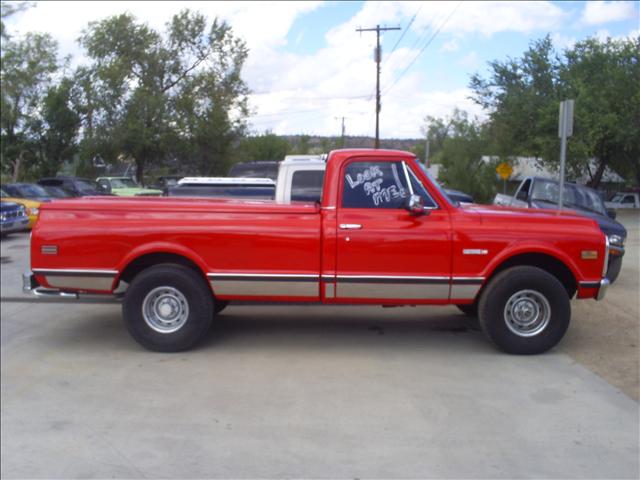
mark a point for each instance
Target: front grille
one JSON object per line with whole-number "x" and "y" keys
{"x": 13, "y": 214}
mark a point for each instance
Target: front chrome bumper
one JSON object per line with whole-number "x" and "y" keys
{"x": 602, "y": 290}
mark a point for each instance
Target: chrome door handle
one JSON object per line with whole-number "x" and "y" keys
{"x": 350, "y": 226}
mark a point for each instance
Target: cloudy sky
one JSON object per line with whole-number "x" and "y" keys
{"x": 308, "y": 67}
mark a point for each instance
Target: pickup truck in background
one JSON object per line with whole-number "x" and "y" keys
{"x": 624, "y": 200}
{"x": 384, "y": 234}
{"x": 223, "y": 187}
{"x": 543, "y": 193}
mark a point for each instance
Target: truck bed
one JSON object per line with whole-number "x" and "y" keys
{"x": 222, "y": 237}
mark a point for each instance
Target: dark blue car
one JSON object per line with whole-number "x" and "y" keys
{"x": 13, "y": 218}
{"x": 544, "y": 193}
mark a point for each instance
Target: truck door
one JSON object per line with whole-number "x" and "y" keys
{"x": 383, "y": 251}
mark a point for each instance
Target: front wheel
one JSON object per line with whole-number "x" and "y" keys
{"x": 524, "y": 310}
{"x": 168, "y": 308}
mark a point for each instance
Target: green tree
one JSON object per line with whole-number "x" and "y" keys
{"x": 60, "y": 128}
{"x": 6, "y": 10}
{"x": 267, "y": 146}
{"x": 28, "y": 66}
{"x": 156, "y": 95}
{"x": 461, "y": 145}
{"x": 522, "y": 97}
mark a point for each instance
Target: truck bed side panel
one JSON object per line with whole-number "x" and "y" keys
{"x": 244, "y": 255}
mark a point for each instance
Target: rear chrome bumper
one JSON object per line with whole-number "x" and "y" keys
{"x": 602, "y": 290}
{"x": 31, "y": 286}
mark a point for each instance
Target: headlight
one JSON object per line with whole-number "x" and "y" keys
{"x": 616, "y": 240}
{"x": 2, "y": 217}
{"x": 34, "y": 211}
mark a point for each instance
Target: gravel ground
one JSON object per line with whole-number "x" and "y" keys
{"x": 309, "y": 391}
{"x": 605, "y": 336}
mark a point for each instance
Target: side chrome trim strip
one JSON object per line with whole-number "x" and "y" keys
{"x": 467, "y": 280}
{"x": 263, "y": 277}
{"x": 391, "y": 280}
{"x": 79, "y": 272}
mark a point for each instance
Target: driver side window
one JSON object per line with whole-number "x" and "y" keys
{"x": 374, "y": 185}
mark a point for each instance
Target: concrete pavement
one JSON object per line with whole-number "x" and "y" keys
{"x": 305, "y": 391}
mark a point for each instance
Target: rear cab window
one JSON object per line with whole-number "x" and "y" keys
{"x": 306, "y": 186}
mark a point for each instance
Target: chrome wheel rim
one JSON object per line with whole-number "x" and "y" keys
{"x": 527, "y": 313}
{"x": 165, "y": 309}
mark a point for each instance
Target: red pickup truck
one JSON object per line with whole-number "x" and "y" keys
{"x": 384, "y": 233}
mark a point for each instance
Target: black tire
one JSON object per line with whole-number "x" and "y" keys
{"x": 470, "y": 310}
{"x": 195, "y": 294}
{"x": 542, "y": 286}
{"x": 219, "y": 305}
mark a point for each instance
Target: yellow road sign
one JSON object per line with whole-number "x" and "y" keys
{"x": 504, "y": 170}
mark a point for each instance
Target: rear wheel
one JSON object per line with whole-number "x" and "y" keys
{"x": 524, "y": 310}
{"x": 168, "y": 308}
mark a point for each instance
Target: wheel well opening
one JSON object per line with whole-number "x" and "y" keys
{"x": 145, "y": 261}
{"x": 546, "y": 262}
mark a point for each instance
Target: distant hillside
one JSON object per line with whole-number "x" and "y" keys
{"x": 321, "y": 144}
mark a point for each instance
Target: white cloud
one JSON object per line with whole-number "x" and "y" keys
{"x": 486, "y": 18}
{"x": 471, "y": 61}
{"x": 450, "y": 45}
{"x": 260, "y": 24}
{"x": 599, "y": 12}
{"x": 563, "y": 41}
{"x": 297, "y": 93}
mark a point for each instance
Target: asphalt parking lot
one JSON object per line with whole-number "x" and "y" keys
{"x": 308, "y": 391}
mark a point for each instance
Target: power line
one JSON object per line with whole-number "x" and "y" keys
{"x": 435, "y": 34}
{"x": 404, "y": 32}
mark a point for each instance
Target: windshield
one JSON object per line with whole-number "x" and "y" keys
{"x": 84, "y": 185}
{"x": 32, "y": 191}
{"x": 123, "y": 183}
{"x": 437, "y": 185}
{"x": 574, "y": 195}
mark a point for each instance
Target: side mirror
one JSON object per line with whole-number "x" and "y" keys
{"x": 611, "y": 213}
{"x": 415, "y": 205}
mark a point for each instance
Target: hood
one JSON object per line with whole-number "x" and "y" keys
{"x": 607, "y": 224}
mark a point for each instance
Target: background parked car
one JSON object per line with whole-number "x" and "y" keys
{"x": 537, "y": 192}
{"x": 76, "y": 187}
{"x": 624, "y": 200}
{"x": 57, "y": 192}
{"x": 13, "y": 217}
{"x": 32, "y": 207}
{"x": 124, "y": 187}
{"x": 30, "y": 191}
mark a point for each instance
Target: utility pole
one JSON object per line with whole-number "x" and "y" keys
{"x": 378, "y": 58}
{"x": 341, "y": 131}
{"x": 426, "y": 151}
{"x": 565, "y": 129}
